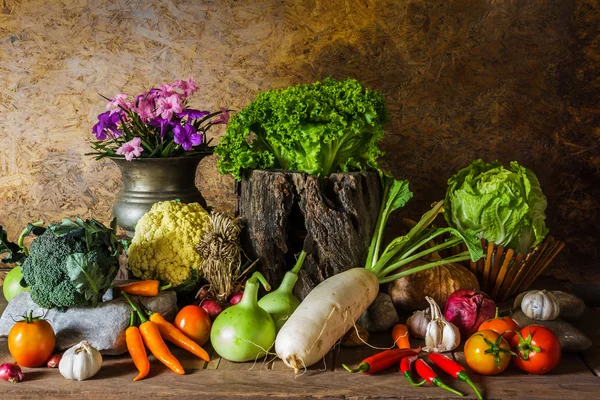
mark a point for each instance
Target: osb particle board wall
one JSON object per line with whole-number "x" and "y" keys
{"x": 473, "y": 78}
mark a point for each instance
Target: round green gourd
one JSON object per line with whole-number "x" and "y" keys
{"x": 244, "y": 332}
{"x": 281, "y": 303}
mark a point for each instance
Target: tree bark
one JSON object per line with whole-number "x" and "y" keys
{"x": 279, "y": 209}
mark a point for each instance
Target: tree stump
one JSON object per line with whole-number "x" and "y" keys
{"x": 279, "y": 209}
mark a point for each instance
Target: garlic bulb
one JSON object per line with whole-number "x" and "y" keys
{"x": 80, "y": 362}
{"x": 540, "y": 305}
{"x": 441, "y": 335}
{"x": 417, "y": 323}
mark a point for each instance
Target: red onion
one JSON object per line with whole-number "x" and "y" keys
{"x": 467, "y": 309}
{"x": 54, "y": 361}
{"x": 236, "y": 298}
{"x": 212, "y": 307}
{"x": 11, "y": 372}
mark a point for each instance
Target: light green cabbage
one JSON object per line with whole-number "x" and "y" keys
{"x": 505, "y": 206}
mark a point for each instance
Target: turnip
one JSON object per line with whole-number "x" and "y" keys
{"x": 332, "y": 307}
{"x": 244, "y": 332}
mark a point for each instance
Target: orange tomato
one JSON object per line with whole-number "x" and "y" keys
{"x": 31, "y": 341}
{"x": 400, "y": 335}
{"x": 501, "y": 325}
{"x": 194, "y": 322}
{"x": 487, "y": 353}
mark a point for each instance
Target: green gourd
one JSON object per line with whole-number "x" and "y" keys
{"x": 244, "y": 332}
{"x": 282, "y": 303}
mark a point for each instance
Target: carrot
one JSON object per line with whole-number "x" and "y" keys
{"x": 400, "y": 335}
{"x": 149, "y": 288}
{"x": 178, "y": 338}
{"x": 135, "y": 345}
{"x": 154, "y": 341}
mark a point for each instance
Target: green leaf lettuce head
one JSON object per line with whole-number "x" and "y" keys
{"x": 503, "y": 205}
{"x": 320, "y": 128}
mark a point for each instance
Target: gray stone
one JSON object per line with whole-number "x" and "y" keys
{"x": 380, "y": 316}
{"x": 102, "y": 326}
{"x": 571, "y": 339}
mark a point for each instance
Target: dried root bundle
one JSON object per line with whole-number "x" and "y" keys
{"x": 221, "y": 255}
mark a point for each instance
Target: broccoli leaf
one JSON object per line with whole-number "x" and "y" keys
{"x": 321, "y": 128}
{"x": 88, "y": 277}
{"x": 15, "y": 253}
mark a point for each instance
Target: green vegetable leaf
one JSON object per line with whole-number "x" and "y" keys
{"x": 88, "y": 277}
{"x": 321, "y": 128}
{"x": 503, "y": 205}
{"x": 396, "y": 194}
{"x": 15, "y": 253}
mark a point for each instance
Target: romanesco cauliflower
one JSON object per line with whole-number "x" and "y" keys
{"x": 165, "y": 240}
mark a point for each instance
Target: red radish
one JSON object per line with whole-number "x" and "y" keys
{"x": 54, "y": 361}
{"x": 212, "y": 307}
{"x": 236, "y": 298}
{"x": 11, "y": 372}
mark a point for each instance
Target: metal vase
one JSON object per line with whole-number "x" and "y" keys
{"x": 150, "y": 180}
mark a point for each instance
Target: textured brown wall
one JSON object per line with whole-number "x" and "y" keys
{"x": 473, "y": 78}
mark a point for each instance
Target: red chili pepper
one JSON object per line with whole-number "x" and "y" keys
{"x": 405, "y": 368}
{"x": 453, "y": 369}
{"x": 381, "y": 361}
{"x": 427, "y": 373}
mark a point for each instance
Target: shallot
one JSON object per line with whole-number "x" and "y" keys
{"x": 54, "y": 361}
{"x": 212, "y": 307}
{"x": 236, "y": 298}
{"x": 11, "y": 373}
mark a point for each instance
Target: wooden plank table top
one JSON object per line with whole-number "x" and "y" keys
{"x": 221, "y": 379}
{"x": 575, "y": 377}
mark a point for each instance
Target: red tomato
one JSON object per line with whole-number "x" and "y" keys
{"x": 487, "y": 353}
{"x": 195, "y": 323}
{"x": 538, "y": 349}
{"x": 501, "y": 325}
{"x": 31, "y": 341}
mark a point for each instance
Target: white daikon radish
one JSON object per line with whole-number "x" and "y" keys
{"x": 334, "y": 305}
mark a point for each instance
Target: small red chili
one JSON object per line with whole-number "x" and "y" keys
{"x": 427, "y": 373}
{"x": 453, "y": 369}
{"x": 405, "y": 369}
{"x": 381, "y": 361}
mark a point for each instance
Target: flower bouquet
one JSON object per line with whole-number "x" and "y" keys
{"x": 155, "y": 124}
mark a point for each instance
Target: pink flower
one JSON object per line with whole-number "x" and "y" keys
{"x": 223, "y": 118}
{"x": 145, "y": 109}
{"x": 189, "y": 87}
{"x": 117, "y": 102}
{"x": 166, "y": 89}
{"x": 131, "y": 149}
{"x": 167, "y": 106}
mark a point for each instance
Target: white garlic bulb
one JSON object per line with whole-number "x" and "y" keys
{"x": 417, "y": 323}
{"x": 541, "y": 305}
{"x": 441, "y": 335}
{"x": 80, "y": 362}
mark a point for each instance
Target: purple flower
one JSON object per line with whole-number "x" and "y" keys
{"x": 192, "y": 114}
{"x": 163, "y": 124}
{"x": 186, "y": 136}
{"x": 131, "y": 149}
{"x": 107, "y": 121}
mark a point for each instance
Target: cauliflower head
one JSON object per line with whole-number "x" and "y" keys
{"x": 165, "y": 240}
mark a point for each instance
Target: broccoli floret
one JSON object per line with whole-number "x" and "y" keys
{"x": 46, "y": 269}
